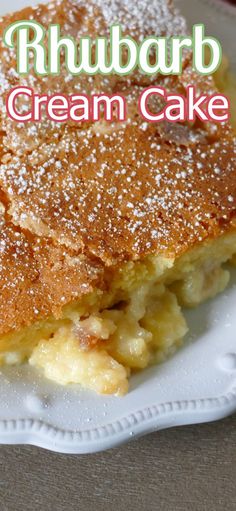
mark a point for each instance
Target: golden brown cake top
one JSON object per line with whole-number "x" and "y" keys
{"x": 81, "y": 198}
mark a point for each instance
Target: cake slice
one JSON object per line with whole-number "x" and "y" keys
{"x": 109, "y": 230}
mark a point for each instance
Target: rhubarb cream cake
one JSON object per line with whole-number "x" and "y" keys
{"x": 108, "y": 230}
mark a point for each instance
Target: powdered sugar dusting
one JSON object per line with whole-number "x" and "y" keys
{"x": 79, "y": 198}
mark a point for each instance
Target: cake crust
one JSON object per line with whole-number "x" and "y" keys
{"x": 78, "y": 201}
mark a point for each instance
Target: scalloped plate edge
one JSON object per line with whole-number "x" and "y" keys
{"x": 150, "y": 419}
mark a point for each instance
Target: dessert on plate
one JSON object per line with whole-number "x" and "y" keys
{"x": 108, "y": 230}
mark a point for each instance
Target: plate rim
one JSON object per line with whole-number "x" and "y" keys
{"x": 149, "y": 419}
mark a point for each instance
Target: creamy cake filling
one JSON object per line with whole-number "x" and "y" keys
{"x": 140, "y": 321}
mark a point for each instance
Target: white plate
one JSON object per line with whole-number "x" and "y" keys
{"x": 198, "y": 384}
